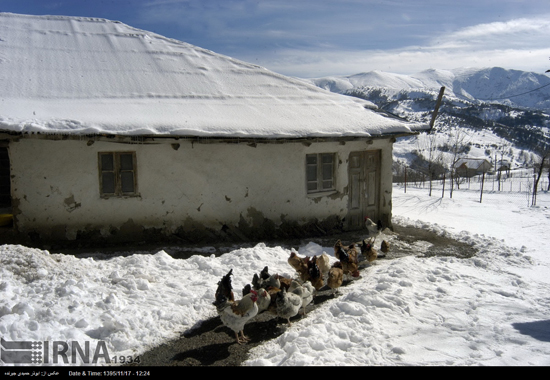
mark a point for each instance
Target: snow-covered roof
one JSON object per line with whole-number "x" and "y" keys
{"x": 74, "y": 75}
{"x": 472, "y": 162}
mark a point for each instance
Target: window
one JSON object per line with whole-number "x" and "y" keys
{"x": 117, "y": 174}
{"x": 320, "y": 172}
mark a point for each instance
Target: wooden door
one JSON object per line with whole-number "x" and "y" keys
{"x": 364, "y": 188}
{"x": 5, "y": 181}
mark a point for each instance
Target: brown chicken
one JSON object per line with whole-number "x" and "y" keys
{"x": 385, "y": 246}
{"x": 272, "y": 293}
{"x": 335, "y": 277}
{"x": 348, "y": 257}
{"x": 367, "y": 250}
{"x": 323, "y": 262}
{"x": 298, "y": 263}
{"x": 284, "y": 281}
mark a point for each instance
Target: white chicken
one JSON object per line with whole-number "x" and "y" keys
{"x": 288, "y": 304}
{"x": 373, "y": 229}
{"x": 264, "y": 300}
{"x": 235, "y": 314}
{"x": 305, "y": 291}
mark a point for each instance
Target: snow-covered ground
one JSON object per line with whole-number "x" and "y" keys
{"x": 492, "y": 309}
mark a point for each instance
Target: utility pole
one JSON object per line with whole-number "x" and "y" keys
{"x": 437, "y": 105}
{"x": 481, "y": 192}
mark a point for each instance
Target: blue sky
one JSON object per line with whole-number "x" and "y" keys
{"x": 315, "y": 38}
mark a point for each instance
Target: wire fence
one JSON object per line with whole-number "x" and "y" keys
{"x": 516, "y": 185}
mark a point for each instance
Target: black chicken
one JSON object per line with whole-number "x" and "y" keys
{"x": 224, "y": 292}
{"x": 314, "y": 273}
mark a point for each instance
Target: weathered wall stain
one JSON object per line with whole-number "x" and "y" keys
{"x": 190, "y": 232}
{"x": 71, "y": 204}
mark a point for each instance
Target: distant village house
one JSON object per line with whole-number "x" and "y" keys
{"x": 470, "y": 167}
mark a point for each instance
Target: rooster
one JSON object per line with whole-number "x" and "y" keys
{"x": 288, "y": 305}
{"x": 315, "y": 276}
{"x": 224, "y": 292}
{"x": 235, "y": 314}
{"x": 373, "y": 229}
{"x": 305, "y": 291}
{"x": 335, "y": 277}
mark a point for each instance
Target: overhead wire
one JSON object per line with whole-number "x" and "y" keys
{"x": 523, "y": 93}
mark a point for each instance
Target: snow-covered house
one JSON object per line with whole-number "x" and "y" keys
{"x": 503, "y": 166}
{"x": 118, "y": 134}
{"x": 469, "y": 167}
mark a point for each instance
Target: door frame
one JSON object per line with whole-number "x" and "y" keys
{"x": 5, "y": 178}
{"x": 364, "y": 169}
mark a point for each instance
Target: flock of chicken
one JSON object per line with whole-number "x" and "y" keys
{"x": 285, "y": 297}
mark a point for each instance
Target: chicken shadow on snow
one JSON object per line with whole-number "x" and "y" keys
{"x": 539, "y": 330}
{"x": 206, "y": 355}
{"x": 210, "y": 343}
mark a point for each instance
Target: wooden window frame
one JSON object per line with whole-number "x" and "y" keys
{"x": 321, "y": 183}
{"x": 118, "y": 171}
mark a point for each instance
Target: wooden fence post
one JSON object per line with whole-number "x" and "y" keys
{"x": 482, "y": 182}
{"x": 405, "y": 179}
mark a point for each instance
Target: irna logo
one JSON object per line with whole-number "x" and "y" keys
{"x": 56, "y": 352}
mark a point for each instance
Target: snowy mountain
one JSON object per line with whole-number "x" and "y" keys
{"x": 514, "y": 88}
{"x": 498, "y": 110}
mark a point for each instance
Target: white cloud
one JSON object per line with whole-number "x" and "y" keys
{"x": 318, "y": 38}
{"x": 516, "y": 44}
{"x": 522, "y": 32}
{"x": 403, "y": 61}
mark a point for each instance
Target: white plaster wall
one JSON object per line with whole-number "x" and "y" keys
{"x": 56, "y": 191}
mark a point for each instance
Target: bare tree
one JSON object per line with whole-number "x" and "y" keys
{"x": 430, "y": 155}
{"x": 543, "y": 151}
{"x": 457, "y": 143}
